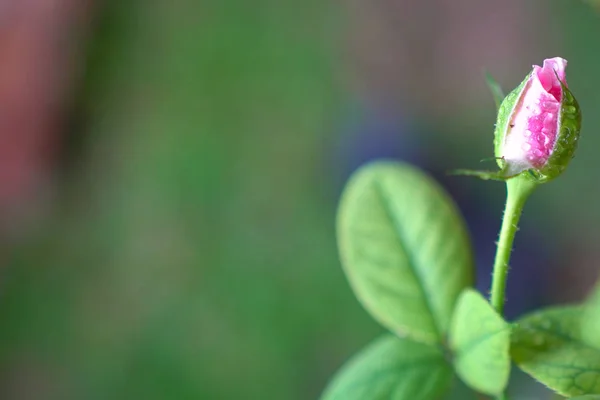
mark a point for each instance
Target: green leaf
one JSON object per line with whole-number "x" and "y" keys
{"x": 590, "y": 322}
{"x": 548, "y": 346}
{"x": 392, "y": 368}
{"x": 480, "y": 340}
{"x": 404, "y": 248}
{"x": 496, "y": 90}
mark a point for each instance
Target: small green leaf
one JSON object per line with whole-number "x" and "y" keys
{"x": 392, "y": 368}
{"x": 496, "y": 90}
{"x": 590, "y": 322}
{"x": 548, "y": 346}
{"x": 404, "y": 248}
{"x": 480, "y": 340}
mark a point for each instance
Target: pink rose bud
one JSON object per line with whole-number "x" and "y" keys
{"x": 538, "y": 124}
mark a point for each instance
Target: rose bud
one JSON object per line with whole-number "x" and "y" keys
{"x": 538, "y": 124}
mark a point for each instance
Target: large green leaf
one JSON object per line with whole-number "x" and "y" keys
{"x": 548, "y": 346}
{"x": 480, "y": 340}
{"x": 404, "y": 248}
{"x": 392, "y": 368}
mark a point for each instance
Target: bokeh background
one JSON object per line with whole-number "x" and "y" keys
{"x": 169, "y": 174}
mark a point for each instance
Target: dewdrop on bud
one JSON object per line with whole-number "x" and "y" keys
{"x": 538, "y": 124}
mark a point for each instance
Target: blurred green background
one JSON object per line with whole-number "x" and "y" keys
{"x": 177, "y": 238}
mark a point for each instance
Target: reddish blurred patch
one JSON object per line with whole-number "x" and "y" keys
{"x": 38, "y": 43}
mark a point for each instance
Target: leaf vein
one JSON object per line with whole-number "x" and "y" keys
{"x": 409, "y": 254}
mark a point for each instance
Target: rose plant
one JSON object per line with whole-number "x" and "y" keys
{"x": 407, "y": 256}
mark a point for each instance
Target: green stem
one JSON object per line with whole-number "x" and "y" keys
{"x": 518, "y": 190}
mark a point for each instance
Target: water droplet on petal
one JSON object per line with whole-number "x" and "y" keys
{"x": 550, "y": 104}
